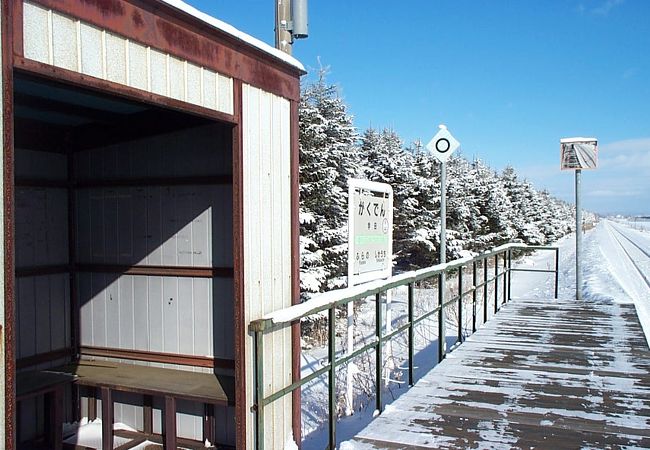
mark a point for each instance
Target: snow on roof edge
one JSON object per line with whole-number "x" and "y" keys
{"x": 227, "y": 28}
{"x": 577, "y": 139}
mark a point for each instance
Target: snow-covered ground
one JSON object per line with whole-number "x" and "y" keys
{"x": 608, "y": 272}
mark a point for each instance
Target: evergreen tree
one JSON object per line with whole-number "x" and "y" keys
{"x": 328, "y": 157}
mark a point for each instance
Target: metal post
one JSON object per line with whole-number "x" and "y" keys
{"x": 474, "y": 279}
{"x": 509, "y": 275}
{"x": 443, "y": 213}
{"x": 283, "y": 39}
{"x": 441, "y": 325}
{"x": 460, "y": 304}
{"x": 411, "y": 333}
{"x": 332, "y": 376}
{"x": 259, "y": 389}
{"x": 557, "y": 270}
{"x": 485, "y": 290}
{"x": 443, "y": 257}
{"x": 349, "y": 391}
{"x": 496, "y": 283}
{"x": 578, "y": 237}
{"x": 378, "y": 353}
{"x": 505, "y": 277}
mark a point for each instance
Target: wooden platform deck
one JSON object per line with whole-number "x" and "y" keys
{"x": 541, "y": 374}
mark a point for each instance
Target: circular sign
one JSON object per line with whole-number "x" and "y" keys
{"x": 443, "y": 145}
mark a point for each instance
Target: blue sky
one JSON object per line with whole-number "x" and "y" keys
{"x": 509, "y": 79}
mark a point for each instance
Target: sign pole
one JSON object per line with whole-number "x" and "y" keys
{"x": 441, "y": 146}
{"x": 443, "y": 212}
{"x": 443, "y": 254}
{"x": 349, "y": 388}
{"x": 578, "y": 153}
{"x": 578, "y": 237}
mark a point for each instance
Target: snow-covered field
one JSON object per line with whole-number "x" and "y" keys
{"x": 608, "y": 272}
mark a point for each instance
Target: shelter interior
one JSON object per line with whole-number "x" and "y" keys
{"x": 123, "y": 253}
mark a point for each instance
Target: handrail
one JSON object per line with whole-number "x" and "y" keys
{"x": 329, "y": 301}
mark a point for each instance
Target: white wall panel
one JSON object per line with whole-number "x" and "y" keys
{"x": 159, "y": 314}
{"x": 53, "y": 38}
{"x": 267, "y": 261}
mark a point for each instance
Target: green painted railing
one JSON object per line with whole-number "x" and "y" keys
{"x": 329, "y": 301}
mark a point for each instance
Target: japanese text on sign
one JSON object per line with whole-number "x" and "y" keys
{"x": 370, "y": 230}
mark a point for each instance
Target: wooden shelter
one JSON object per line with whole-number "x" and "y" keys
{"x": 149, "y": 213}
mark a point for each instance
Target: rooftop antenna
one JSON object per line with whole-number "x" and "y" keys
{"x": 291, "y": 22}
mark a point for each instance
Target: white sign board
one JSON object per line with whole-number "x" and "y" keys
{"x": 443, "y": 144}
{"x": 578, "y": 153}
{"x": 370, "y": 228}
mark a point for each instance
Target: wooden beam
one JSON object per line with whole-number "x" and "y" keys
{"x": 107, "y": 418}
{"x": 169, "y": 427}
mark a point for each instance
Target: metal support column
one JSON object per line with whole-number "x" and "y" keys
{"x": 411, "y": 333}
{"x": 331, "y": 328}
{"x": 578, "y": 237}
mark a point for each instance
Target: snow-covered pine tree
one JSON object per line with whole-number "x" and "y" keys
{"x": 328, "y": 157}
{"x": 425, "y": 244}
{"x": 525, "y": 208}
{"x": 384, "y": 160}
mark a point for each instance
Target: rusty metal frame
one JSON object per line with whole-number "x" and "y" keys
{"x": 108, "y": 87}
{"x": 238, "y": 264}
{"x": 158, "y": 357}
{"x": 295, "y": 268}
{"x": 157, "y": 271}
{"x": 161, "y": 26}
{"x": 9, "y": 232}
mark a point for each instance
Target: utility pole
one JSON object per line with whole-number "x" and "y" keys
{"x": 283, "y": 38}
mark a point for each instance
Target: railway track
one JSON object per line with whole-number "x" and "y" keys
{"x": 634, "y": 261}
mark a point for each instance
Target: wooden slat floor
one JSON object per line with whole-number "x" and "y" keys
{"x": 541, "y": 374}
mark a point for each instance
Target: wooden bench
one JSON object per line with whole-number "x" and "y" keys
{"x": 51, "y": 385}
{"x": 172, "y": 385}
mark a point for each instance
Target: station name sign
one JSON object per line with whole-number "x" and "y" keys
{"x": 370, "y": 230}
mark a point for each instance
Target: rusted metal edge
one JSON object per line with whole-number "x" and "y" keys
{"x": 86, "y": 81}
{"x": 238, "y": 264}
{"x": 157, "y": 357}
{"x": 165, "y": 28}
{"x": 6, "y": 31}
{"x": 295, "y": 269}
{"x": 159, "y": 271}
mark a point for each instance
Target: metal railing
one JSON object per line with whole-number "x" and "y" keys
{"x": 329, "y": 301}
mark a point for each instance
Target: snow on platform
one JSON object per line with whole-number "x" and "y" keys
{"x": 540, "y": 374}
